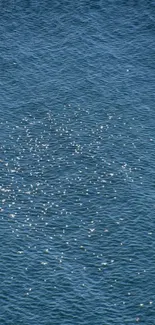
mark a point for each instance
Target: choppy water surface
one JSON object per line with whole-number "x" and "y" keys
{"x": 77, "y": 144}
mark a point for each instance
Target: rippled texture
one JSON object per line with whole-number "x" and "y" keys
{"x": 77, "y": 162}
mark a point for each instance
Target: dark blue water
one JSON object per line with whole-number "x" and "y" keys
{"x": 77, "y": 158}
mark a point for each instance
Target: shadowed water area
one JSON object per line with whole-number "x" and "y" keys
{"x": 77, "y": 162}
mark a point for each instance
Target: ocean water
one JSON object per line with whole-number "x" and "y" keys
{"x": 77, "y": 162}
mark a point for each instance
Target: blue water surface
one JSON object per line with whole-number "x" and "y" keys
{"x": 77, "y": 158}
